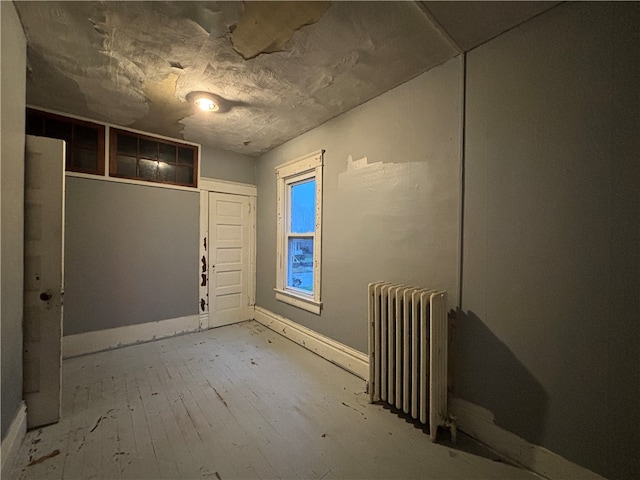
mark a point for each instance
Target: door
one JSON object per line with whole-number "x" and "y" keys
{"x": 229, "y": 257}
{"x": 43, "y": 278}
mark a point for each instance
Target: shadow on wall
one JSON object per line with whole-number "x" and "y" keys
{"x": 488, "y": 374}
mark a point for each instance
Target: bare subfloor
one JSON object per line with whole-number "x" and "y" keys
{"x": 234, "y": 402}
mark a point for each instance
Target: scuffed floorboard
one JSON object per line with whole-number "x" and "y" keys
{"x": 233, "y": 402}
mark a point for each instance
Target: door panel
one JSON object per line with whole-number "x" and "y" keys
{"x": 229, "y": 232}
{"x": 43, "y": 279}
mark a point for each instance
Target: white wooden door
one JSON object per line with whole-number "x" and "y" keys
{"x": 43, "y": 278}
{"x": 229, "y": 257}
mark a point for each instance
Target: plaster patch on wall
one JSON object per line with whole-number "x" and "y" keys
{"x": 392, "y": 196}
{"x": 392, "y": 207}
{"x": 356, "y": 164}
{"x": 380, "y": 177}
{"x": 266, "y": 27}
{"x": 397, "y": 197}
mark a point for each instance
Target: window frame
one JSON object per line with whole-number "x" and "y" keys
{"x": 113, "y": 154}
{"x": 72, "y": 147}
{"x": 297, "y": 171}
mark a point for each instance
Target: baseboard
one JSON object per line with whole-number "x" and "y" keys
{"x": 92, "y": 342}
{"x": 479, "y": 423}
{"x": 12, "y": 441}
{"x": 204, "y": 320}
{"x": 342, "y": 355}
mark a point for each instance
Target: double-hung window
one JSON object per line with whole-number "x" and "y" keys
{"x": 299, "y": 186}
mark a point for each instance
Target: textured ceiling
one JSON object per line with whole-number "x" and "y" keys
{"x": 279, "y": 68}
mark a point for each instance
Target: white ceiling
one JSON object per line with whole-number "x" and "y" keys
{"x": 280, "y": 68}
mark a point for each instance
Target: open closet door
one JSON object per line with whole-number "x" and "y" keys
{"x": 43, "y": 278}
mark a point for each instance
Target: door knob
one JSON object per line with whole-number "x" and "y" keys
{"x": 45, "y": 296}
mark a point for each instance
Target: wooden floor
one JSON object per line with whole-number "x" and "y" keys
{"x": 233, "y": 402}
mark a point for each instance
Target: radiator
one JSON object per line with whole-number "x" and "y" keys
{"x": 408, "y": 352}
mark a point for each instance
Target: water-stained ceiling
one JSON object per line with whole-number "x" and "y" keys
{"x": 278, "y": 69}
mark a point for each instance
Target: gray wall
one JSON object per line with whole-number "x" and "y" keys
{"x": 224, "y": 165}
{"x": 14, "y": 57}
{"x": 395, "y": 219}
{"x": 549, "y": 339}
{"x": 131, "y": 254}
{"x": 131, "y": 251}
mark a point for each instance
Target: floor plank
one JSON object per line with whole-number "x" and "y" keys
{"x": 234, "y": 402}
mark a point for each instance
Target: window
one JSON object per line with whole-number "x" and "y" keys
{"x": 84, "y": 140}
{"x": 132, "y": 155}
{"x": 141, "y": 157}
{"x": 299, "y": 185}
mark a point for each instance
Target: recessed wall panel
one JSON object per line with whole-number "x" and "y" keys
{"x": 228, "y": 209}
{"x": 229, "y": 279}
{"x": 229, "y": 255}
{"x": 228, "y": 302}
{"x": 229, "y": 232}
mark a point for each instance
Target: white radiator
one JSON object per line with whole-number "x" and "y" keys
{"x": 408, "y": 352}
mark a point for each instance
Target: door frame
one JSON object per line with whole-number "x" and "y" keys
{"x": 212, "y": 185}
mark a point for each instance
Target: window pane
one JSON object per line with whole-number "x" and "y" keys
{"x": 35, "y": 124}
{"x": 185, "y": 155}
{"x": 148, "y": 169}
{"x": 85, "y": 136}
{"x": 166, "y": 172}
{"x": 127, "y": 145}
{"x": 167, "y": 153}
{"x": 148, "y": 149}
{"x": 300, "y": 264}
{"x": 82, "y": 140}
{"x": 58, "y": 129}
{"x": 184, "y": 175}
{"x": 155, "y": 160}
{"x": 67, "y": 158}
{"x": 85, "y": 159}
{"x": 303, "y": 207}
{"x": 127, "y": 166}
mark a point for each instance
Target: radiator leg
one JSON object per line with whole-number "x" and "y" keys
{"x": 453, "y": 428}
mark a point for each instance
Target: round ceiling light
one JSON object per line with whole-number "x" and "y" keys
{"x": 205, "y": 101}
{"x": 206, "y": 104}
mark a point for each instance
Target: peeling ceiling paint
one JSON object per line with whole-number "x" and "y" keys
{"x": 165, "y": 109}
{"x": 265, "y": 27}
{"x": 134, "y": 63}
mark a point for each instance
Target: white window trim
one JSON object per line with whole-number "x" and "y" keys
{"x": 307, "y": 166}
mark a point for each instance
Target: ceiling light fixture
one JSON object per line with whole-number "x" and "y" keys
{"x": 207, "y": 102}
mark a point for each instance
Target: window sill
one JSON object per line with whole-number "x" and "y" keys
{"x": 298, "y": 301}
